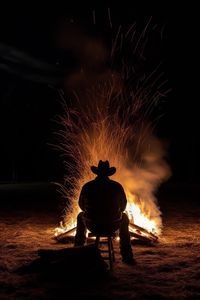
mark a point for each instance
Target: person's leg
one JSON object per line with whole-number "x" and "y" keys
{"x": 81, "y": 229}
{"x": 125, "y": 241}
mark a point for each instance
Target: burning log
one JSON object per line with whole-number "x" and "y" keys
{"x": 142, "y": 233}
{"x": 66, "y": 237}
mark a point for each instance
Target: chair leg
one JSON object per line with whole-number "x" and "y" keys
{"x": 97, "y": 241}
{"x": 110, "y": 251}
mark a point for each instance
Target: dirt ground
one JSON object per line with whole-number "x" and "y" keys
{"x": 170, "y": 270}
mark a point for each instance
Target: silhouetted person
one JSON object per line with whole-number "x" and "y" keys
{"x": 103, "y": 201}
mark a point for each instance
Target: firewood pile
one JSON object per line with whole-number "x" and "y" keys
{"x": 138, "y": 235}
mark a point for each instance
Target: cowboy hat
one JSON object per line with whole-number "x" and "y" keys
{"x": 103, "y": 168}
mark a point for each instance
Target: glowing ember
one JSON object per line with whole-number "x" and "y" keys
{"x": 110, "y": 121}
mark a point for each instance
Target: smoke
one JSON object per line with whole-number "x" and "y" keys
{"x": 141, "y": 179}
{"x": 109, "y": 119}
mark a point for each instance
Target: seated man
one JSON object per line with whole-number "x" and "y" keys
{"x": 103, "y": 201}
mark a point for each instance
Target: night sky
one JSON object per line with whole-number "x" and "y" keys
{"x": 29, "y": 99}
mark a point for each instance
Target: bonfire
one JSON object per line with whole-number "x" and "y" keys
{"x": 111, "y": 120}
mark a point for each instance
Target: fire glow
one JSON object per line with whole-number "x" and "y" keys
{"x": 110, "y": 121}
{"x": 102, "y": 133}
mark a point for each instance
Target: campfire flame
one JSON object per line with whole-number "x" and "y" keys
{"x": 110, "y": 121}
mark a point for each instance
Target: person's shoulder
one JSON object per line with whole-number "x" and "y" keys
{"x": 116, "y": 183}
{"x": 88, "y": 184}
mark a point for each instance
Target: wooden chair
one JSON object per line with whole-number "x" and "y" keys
{"x": 104, "y": 234}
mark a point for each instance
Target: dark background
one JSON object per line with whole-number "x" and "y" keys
{"x": 29, "y": 106}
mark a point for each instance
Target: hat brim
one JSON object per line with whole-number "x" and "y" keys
{"x": 108, "y": 172}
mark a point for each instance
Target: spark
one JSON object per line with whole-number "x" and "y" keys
{"x": 109, "y": 17}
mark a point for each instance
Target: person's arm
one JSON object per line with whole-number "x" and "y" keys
{"x": 81, "y": 200}
{"x": 123, "y": 200}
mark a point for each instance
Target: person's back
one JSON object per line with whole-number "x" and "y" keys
{"x": 102, "y": 200}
